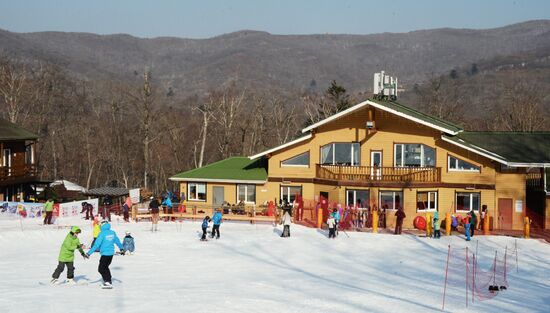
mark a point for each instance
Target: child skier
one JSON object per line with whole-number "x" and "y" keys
{"x": 466, "y": 222}
{"x": 106, "y": 242}
{"x": 66, "y": 255}
{"x": 336, "y": 215}
{"x": 331, "y": 226}
{"x": 205, "y": 222}
{"x": 217, "y": 219}
{"x": 437, "y": 226}
{"x": 128, "y": 243}
{"x": 96, "y": 229}
{"x": 286, "y": 221}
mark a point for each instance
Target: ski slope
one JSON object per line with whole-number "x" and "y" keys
{"x": 252, "y": 269}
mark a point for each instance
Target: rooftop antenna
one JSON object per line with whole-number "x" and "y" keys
{"x": 385, "y": 87}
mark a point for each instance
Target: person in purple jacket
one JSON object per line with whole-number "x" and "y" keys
{"x": 106, "y": 242}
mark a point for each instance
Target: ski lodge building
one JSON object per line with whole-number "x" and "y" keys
{"x": 383, "y": 153}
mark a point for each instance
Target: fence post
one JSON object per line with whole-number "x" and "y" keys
{"x": 375, "y": 221}
{"x": 526, "y": 227}
{"x": 486, "y": 223}
{"x": 448, "y": 223}
{"x": 134, "y": 213}
{"x": 319, "y": 217}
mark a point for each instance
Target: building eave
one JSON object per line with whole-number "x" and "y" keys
{"x": 487, "y": 155}
{"x": 215, "y": 180}
{"x": 285, "y": 145}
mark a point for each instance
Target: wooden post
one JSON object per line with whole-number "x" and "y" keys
{"x": 448, "y": 223}
{"x": 486, "y": 224}
{"x": 134, "y": 212}
{"x": 319, "y": 217}
{"x": 375, "y": 221}
{"x": 526, "y": 227}
{"x": 429, "y": 230}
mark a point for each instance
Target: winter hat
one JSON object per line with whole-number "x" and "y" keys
{"x": 104, "y": 222}
{"x": 75, "y": 230}
{"x": 128, "y": 233}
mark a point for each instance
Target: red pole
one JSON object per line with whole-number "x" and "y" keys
{"x": 473, "y": 276}
{"x": 466, "y": 276}
{"x": 517, "y": 264}
{"x": 446, "y": 273}
{"x": 505, "y": 262}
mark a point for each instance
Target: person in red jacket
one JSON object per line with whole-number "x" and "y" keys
{"x": 400, "y": 214}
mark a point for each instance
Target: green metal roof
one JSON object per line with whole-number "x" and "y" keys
{"x": 419, "y": 115}
{"x": 10, "y": 131}
{"x": 514, "y": 147}
{"x": 232, "y": 169}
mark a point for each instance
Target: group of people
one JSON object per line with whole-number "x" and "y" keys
{"x": 104, "y": 241}
{"x": 216, "y": 221}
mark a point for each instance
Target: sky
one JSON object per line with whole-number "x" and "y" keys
{"x": 210, "y": 18}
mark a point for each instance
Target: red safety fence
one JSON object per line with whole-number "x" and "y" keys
{"x": 481, "y": 279}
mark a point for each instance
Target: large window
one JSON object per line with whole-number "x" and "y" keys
{"x": 340, "y": 153}
{"x": 196, "y": 191}
{"x": 289, "y": 193}
{"x": 456, "y": 164}
{"x": 467, "y": 201}
{"x": 357, "y": 198}
{"x": 391, "y": 200}
{"x": 301, "y": 160}
{"x": 414, "y": 154}
{"x": 246, "y": 193}
{"x": 426, "y": 201}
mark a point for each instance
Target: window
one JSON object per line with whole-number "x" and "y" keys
{"x": 426, "y": 201}
{"x": 196, "y": 191}
{"x": 467, "y": 201}
{"x": 289, "y": 193}
{"x": 459, "y": 165}
{"x": 391, "y": 200}
{"x": 301, "y": 160}
{"x": 341, "y": 153}
{"x": 414, "y": 154}
{"x": 246, "y": 193}
{"x": 29, "y": 157}
{"x": 358, "y": 198}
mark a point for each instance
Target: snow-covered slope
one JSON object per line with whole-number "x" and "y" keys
{"x": 252, "y": 269}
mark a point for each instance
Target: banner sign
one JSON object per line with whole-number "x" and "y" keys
{"x": 34, "y": 210}
{"x": 134, "y": 195}
{"x": 74, "y": 208}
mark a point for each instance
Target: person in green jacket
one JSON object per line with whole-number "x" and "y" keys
{"x": 66, "y": 255}
{"x": 48, "y": 209}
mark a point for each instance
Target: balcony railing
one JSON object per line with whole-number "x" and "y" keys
{"x": 381, "y": 174}
{"x": 16, "y": 172}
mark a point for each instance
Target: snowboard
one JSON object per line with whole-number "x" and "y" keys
{"x": 65, "y": 283}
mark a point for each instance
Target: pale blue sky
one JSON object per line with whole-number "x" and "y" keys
{"x": 208, "y": 18}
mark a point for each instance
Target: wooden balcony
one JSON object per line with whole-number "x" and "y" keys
{"x": 379, "y": 174}
{"x": 17, "y": 173}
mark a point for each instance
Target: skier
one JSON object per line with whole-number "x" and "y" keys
{"x": 437, "y": 226}
{"x": 331, "y": 226}
{"x": 205, "y": 222}
{"x": 154, "y": 207}
{"x": 126, "y": 207}
{"x": 107, "y": 203}
{"x": 128, "y": 243}
{"x": 286, "y": 221}
{"x": 473, "y": 222}
{"x": 336, "y": 215}
{"x": 466, "y": 223}
{"x": 167, "y": 202}
{"x": 48, "y": 208}
{"x": 400, "y": 214}
{"x": 96, "y": 229}
{"x": 217, "y": 219}
{"x": 66, "y": 255}
{"x": 106, "y": 242}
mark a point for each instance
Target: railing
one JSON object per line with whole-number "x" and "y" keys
{"x": 375, "y": 173}
{"x": 15, "y": 172}
{"x": 535, "y": 180}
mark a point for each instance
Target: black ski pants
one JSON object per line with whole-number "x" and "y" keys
{"x": 61, "y": 266}
{"x": 48, "y": 218}
{"x": 103, "y": 267}
{"x": 332, "y": 232}
{"x": 203, "y": 233}
{"x": 216, "y": 231}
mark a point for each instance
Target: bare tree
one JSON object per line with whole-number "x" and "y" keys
{"x": 13, "y": 80}
{"x": 521, "y": 106}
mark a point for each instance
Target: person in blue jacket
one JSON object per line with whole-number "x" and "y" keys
{"x": 217, "y": 220}
{"x": 336, "y": 215}
{"x": 167, "y": 203}
{"x": 106, "y": 242}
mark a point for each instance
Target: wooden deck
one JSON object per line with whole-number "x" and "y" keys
{"x": 379, "y": 174}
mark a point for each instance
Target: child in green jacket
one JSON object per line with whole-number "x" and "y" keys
{"x": 66, "y": 255}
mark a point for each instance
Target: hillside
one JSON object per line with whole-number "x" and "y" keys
{"x": 278, "y": 62}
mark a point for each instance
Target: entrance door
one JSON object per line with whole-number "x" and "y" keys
{"x": 376, "y": 164}
{"x": 218, "y": 198}
{"x": 505, "y": 210}
{"x": 7, "y": 161}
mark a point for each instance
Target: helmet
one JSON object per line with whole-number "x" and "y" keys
{"x": 127, "y": 233}
{"x": 75, "y": 230}
{"x": 104, "y": 222}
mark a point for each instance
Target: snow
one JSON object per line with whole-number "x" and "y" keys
{"x": 69, "y": 185}
{"x": 252, "y": 269}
